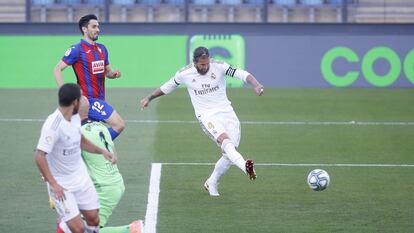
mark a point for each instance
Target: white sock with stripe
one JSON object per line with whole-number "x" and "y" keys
{"x": 91, "y": 229}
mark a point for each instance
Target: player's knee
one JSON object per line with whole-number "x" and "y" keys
{"x": 121, "y": 125}
{"x": 93, "y": 220}
{"x": 222, "y": 137}
{"x": 117, "y": 123}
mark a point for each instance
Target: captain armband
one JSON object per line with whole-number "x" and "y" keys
{"x": 169, "y": 86}
{"x": 241, "y": 74}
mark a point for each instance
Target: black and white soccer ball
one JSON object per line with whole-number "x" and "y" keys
{"x": 318, "y": 179}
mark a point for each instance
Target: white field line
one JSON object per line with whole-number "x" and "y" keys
{"x": 154, "y": 187}
{"x": 302, "y": 164}
{"x": 391, "y": 123}
{"x": 153, "y": 197}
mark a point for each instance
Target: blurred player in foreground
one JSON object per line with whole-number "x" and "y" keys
{"x": 105, "y": 176}
{"x": 90, "y": 63}
{"x": 204, "y": 79}
{"x": 58, "y": 157}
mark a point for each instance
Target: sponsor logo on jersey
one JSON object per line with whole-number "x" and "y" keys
{"x": 213, "y": 76}
{"x": 206, "y": 89}
{"x": 98, "y": 67}
{"x": 68, "y": 152}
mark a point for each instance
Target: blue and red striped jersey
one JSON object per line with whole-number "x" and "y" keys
{"x": 88, "y": 62}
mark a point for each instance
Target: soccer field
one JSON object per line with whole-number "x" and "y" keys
{"x": 362, "y": 137}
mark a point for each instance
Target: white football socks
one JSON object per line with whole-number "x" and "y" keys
{"x": 88, "y": 229}
{"x": 221, "y": 167}
{"x": 64, "y": 227}
{"x": 233, "y": 155}
{"x": 91, "y": 229}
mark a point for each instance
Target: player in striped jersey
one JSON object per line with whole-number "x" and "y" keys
{"x": 90, "y": 63}
{"x": 205, "y": 83}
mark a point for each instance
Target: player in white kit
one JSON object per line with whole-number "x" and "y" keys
{"x": 58, "y": 157}
{"x": 204, "y": 79}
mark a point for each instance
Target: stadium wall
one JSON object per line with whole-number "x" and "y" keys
{"x": 280, "y": 55}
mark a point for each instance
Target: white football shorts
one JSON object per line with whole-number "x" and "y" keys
{"x": 219, "y": 123}
{"x": 84, "y": 199}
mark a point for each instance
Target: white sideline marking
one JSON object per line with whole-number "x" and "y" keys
{"x": 21, "y": 120}
{"x": 303, "y": 164}
{"x": 392, "y": 123}
{"x": 153, "y": 196}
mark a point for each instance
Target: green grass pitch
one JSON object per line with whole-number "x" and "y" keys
{"x": 359, "y": 199}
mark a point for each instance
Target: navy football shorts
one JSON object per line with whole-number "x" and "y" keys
{"x": 99, "y": 110}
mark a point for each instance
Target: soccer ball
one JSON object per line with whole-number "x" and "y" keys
{"x": 318, "y": 179}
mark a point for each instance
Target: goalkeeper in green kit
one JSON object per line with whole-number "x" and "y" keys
{"x": 105, "y": 176}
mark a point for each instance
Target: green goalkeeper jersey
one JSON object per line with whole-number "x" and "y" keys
{"x": 102, "y": 172}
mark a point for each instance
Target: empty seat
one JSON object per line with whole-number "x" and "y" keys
{"x": 254, "y": 2}
{"x": 42, "y": 2}
{"x": 312, "y": 2}
{"x": 95, "y": 2}
{"x": 204, "y": 2}
{"x": 334, "y": 2}
{"x": 175, "y": 2}
{"x": 285, "y": 2}
{"x": 123, "y": 2}
{"x": 231, "y": 2}
{"x": 70, "y": 2}
{"x": 149, "y": 2}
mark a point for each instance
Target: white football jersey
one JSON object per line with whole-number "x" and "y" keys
{"x": 60, "y": 140}
{"x": 208, "y": 91}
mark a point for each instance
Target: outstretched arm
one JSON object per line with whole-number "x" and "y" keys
{"x": 166, "y": 88}
{"x": 146, "y": 100}
{"x": 245, "y": 76}
{"x": 57, "y": 72}
{"x": 258, "y": 88}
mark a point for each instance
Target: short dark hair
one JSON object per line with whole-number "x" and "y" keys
{"x": 84, "y": 21}
{"x": 68, "y": 93}
{"x": 200, "y": 52}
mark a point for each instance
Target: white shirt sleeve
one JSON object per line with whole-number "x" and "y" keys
{"x": 48, "y": 138}
{"x": 234, "y": 72}
{"x": 170, "y": 85}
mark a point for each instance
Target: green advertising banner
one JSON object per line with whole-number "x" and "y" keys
{"x": 310, "y": 55}
{"x": 145, "y": 61}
